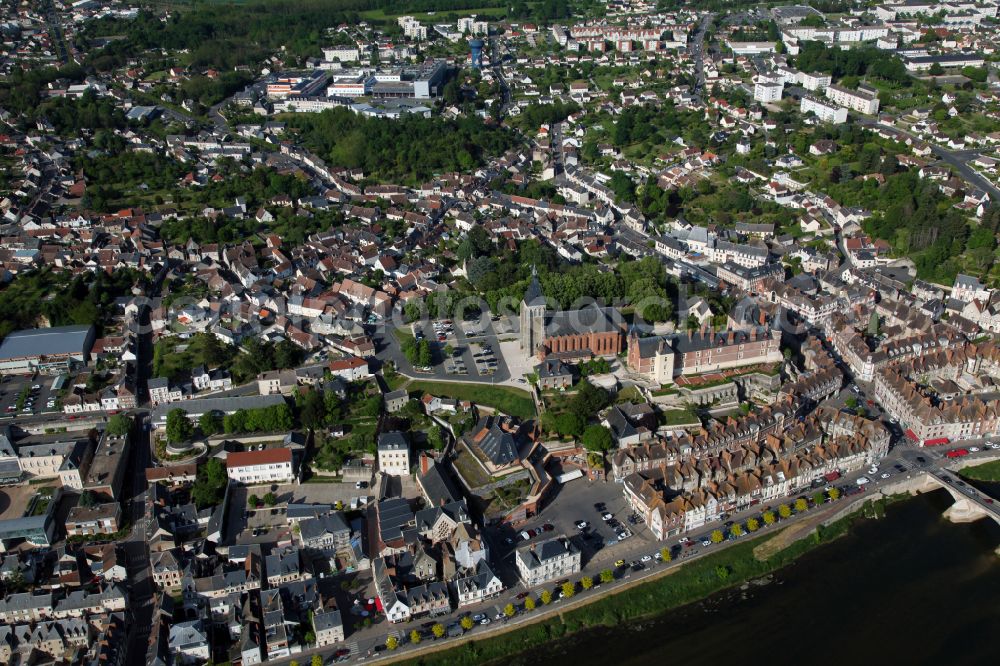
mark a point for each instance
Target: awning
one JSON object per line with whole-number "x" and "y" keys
{"x": 936, "y": 442}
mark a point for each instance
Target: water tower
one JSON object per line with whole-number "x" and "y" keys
{"x": 477, "y": 53}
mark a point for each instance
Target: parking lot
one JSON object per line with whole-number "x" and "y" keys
{"x": 23, "y": 396}
{"x": 598, "y": 540}
{"x": 484, "y": 358}
{"x": 466, "y": 350}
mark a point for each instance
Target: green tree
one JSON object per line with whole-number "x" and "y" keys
{"x": 570, "y": 424}
{"x": 210, "y": 423}
{"x": 834, "y": 494}
{"x": 434, "y": 438}
{"x": 87, "y": 499}
{"x": 467, "y": 622}
{"x": 785, "y": 511}
{"x": 209, "y": 483}
{"x": 717, "y": 536}
{"x": 317, "y": 660}
{"x": 801, "y": 505}
{"x": 769, "y": 518}
{"x": 312, "y": 409}
{"x": 568, "y": 589}
{"x": 753, "y": 525}
{"x": 597, "y": 438}
{"x": 253, "y": 501}
{"x": 545, "y": 597}
{"x": 119, "y": 425}
{"x": 607, "y": 575}
{"x": 736, "y": 530}
{"x": 437, "y": 630}
{"x": 509, "y": 610}
{"x": 586, "y": 582}
{"x": 665, "y": 554}
{"x": 722, "y": 572}
{"x": 392, "y": 642}
{"x": 179, "y": 428}
{"x": 529, "y": 604}
{"x": 819, "y": 497}
{"x": 415, "y": 637}
{"x": 270, "y": 499}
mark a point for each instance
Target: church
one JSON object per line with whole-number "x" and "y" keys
{"x": 568, "y": 335}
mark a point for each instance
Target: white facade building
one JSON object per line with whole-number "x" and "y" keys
{"x": 825, "y": 111}
{"x": 393, "y": 454}
{"x": 856, "y": 100}
{"x": 547, "y": 560}
{"x": 814, "y": 81}
{"x": 260, "y": 467}
{"x": 767, "y": 92}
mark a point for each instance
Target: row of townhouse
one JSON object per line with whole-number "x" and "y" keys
{"x": 25, "y": 607}
{"x": 848, "y": 334}
{"x": 937, "y": 396}
{"x": 667, "y": 512}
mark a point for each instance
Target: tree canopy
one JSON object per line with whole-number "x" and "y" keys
{"x": 409, "y": 149}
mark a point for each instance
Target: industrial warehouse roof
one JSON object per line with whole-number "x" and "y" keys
{"x": 59, "y": 340}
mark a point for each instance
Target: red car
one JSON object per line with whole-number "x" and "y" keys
{"x": 547, "y": 527}
{"x": 523, "y": 595}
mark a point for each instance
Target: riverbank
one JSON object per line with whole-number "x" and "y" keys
{"x": 692, "y": 582}
{"x": 986, "y": 472}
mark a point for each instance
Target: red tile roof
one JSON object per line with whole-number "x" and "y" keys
{"x": 265, "y": 457}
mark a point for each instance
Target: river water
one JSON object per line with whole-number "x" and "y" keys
{"x": 911, "y": 588}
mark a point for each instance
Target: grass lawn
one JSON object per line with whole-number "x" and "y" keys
{"x": 395, "y": 380}
{"x": 403, "y": 334}
{"x": 470, "y": 470}
{"x": 629, "y": 394}
{"x": 557, "y": 401}
{"x": 986, "y": 472}
{"x": 507, "y": 399}
{"x": 673, "y": 417}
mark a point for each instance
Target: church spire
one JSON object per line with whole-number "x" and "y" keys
{"x": 533, "y": 295}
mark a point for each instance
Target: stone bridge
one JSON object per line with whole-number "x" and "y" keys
{"x": 970, "y": 504}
